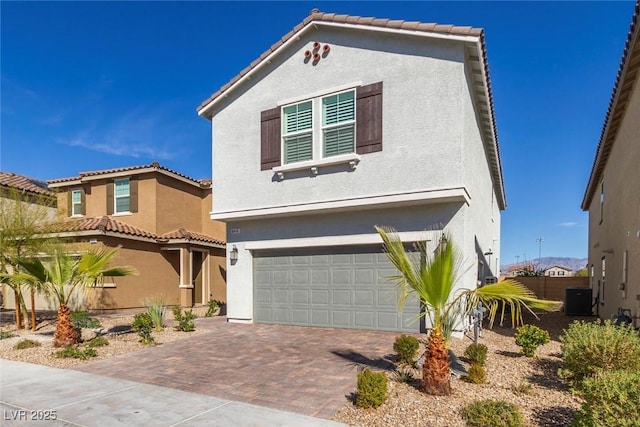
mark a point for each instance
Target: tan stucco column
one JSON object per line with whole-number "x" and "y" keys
{"x": 186, "y": 285}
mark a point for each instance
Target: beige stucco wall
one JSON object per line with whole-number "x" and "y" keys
{"x": 619, "y": 231}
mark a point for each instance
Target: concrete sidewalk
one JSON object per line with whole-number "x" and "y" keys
{"x": 40, "y": 395}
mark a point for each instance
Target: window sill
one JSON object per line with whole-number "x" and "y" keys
{"x": 313, "y": 165}
{"x": 122, "y": 214}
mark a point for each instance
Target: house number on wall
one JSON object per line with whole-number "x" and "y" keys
{"x": 235, "y": 231}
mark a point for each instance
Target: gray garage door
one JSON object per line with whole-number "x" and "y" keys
{"x": 332, "y": 287}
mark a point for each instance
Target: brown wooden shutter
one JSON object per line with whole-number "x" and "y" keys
{"x": 270, "y": 133}
{"x": 369, "y": 118}
{"x": 69, "y": 202}
{"x": 133, "y": 195}
{"x": 83, "y": 202}
{"x": 110, "y": 200}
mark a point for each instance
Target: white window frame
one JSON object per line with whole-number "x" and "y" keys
{"x": 74, "y": 204}
{"x": 317, "y": 133}
{"x": 116, "y": 197}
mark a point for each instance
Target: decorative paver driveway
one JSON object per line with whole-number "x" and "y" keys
{"x": 310, "y": 371}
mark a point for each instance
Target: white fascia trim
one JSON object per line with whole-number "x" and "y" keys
{"x": 130, "y": 173}
{"x": 65, "y": 183}
{"x": 204, "y": 110}
{"x": 349, "y": 240}
{"x": 459, "y": 194}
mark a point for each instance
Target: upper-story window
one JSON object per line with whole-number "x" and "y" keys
{"x": 76, "y": 202}
{"x": 319, "y": 128}
{"x": 122, "y": 195}
{"x": 323, "y": 129}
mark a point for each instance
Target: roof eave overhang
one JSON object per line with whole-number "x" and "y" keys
{"x": 206, "y": 109}
{"x": 623, "y": 89}
{"x": 126, "y": 173}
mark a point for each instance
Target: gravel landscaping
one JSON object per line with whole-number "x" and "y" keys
{"x": 530, "y": 383}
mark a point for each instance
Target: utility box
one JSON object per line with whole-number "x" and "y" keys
{"x": 577, "y": 301}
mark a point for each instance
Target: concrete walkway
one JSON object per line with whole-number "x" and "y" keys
{"x": 40, "y": 395}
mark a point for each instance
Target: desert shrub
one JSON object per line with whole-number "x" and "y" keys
{"x": 477, "y": 374}
{"x": 404, "y": 373}
{"x": 213, "y": 306}
{"x": 81, "y": 319}
{"x": 157, "y": 311}
{"x": 97, "y": 342}
{"x": 372, "y": 389}
{"x": 143, "y": 325}
{"x": 525, "y": 387}
{"x": 530, "y": 337}
{"x": 492, "y": 413}
{"x": 406, "y": 346}
{"x": 611, "y": 398}
{"x": 76, "y": 353}
{"x": 6, "y": 334}
{"x": 588, "y": 347}
{"x": 476, "y": 353}
{"x": 22, "y": 344}
{"x": 185, "y": 320}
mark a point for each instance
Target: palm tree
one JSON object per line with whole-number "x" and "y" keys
{"x": 432, "y": 280}
{"x": 61, "y": 274}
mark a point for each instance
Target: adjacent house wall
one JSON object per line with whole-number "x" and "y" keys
{"x": 619, "y": 231}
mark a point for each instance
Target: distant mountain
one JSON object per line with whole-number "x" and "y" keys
{"x": 574, "y": 264}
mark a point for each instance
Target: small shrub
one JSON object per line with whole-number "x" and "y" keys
{"x": 143, "y": 325}
{"x": 76, "y": 353}
{"x": 6, "y": 334}
{"x": 530, "y": 337}
{"x": 157, "y": 311}
{"x": 185, "y": 321}
{"x": 525, "y": 387}
{"x": 476, "y": 353}
{"x": 611, "y": 398}
{"x": 22, "y": 344}
{"x": 98, "y": 342}
{"x": 492, "y": 413}
{"x": 213, "y": 305}
{"x": 81, "y": 319}
{"x": 406, "y": 346}
{"x": 588, "y": 347}
{"x": 477, "y": 374}
{"x": 372, "y": 389}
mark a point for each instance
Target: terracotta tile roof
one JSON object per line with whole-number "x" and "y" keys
{"x": 628, "y": 72}
{"x": 24, "y": 183}
{"x": 152, "y": 166}
{"x": 317, "y": 16}
{"x": 182, "y": 234}
{"x": 102, "y": 224}
{"x": 108, "y": 224}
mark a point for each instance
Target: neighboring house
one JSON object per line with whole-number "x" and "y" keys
{"x": 35, "y": 200}
{"x": 160, "y": 220}
{"x": 612, "y": 196}
{"x": 558, "y": 271}
{"x": 343, "y": 124}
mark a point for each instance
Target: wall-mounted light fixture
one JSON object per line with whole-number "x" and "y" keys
{"x": 233, "y": 255}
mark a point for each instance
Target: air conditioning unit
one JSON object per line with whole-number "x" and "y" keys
{"x": 490, "y": 279}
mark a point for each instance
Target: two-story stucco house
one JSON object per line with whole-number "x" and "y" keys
{"x": 160, "y": 220}
{"x": 612, "y": 196}
{"x": 343, "y": 124}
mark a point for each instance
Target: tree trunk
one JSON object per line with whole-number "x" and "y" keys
{"x": 33, "y": 309}
{"x": 18, "y": 310}
{"x": 66, "y": 334}
{"x": 436, "y": 377}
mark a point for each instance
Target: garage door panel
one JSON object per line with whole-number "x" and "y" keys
{"x": 320, "y": 317}
{"x": 344, "y": 287}
{"x": 341, "y": 319}
{"x": 300, "y": 296}
{"x": 320, "y": 296}
{"x": 364, "y": 297}
{"x": 341, "y": 297}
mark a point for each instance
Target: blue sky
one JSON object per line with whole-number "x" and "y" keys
{"x": 96, "y": 85}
